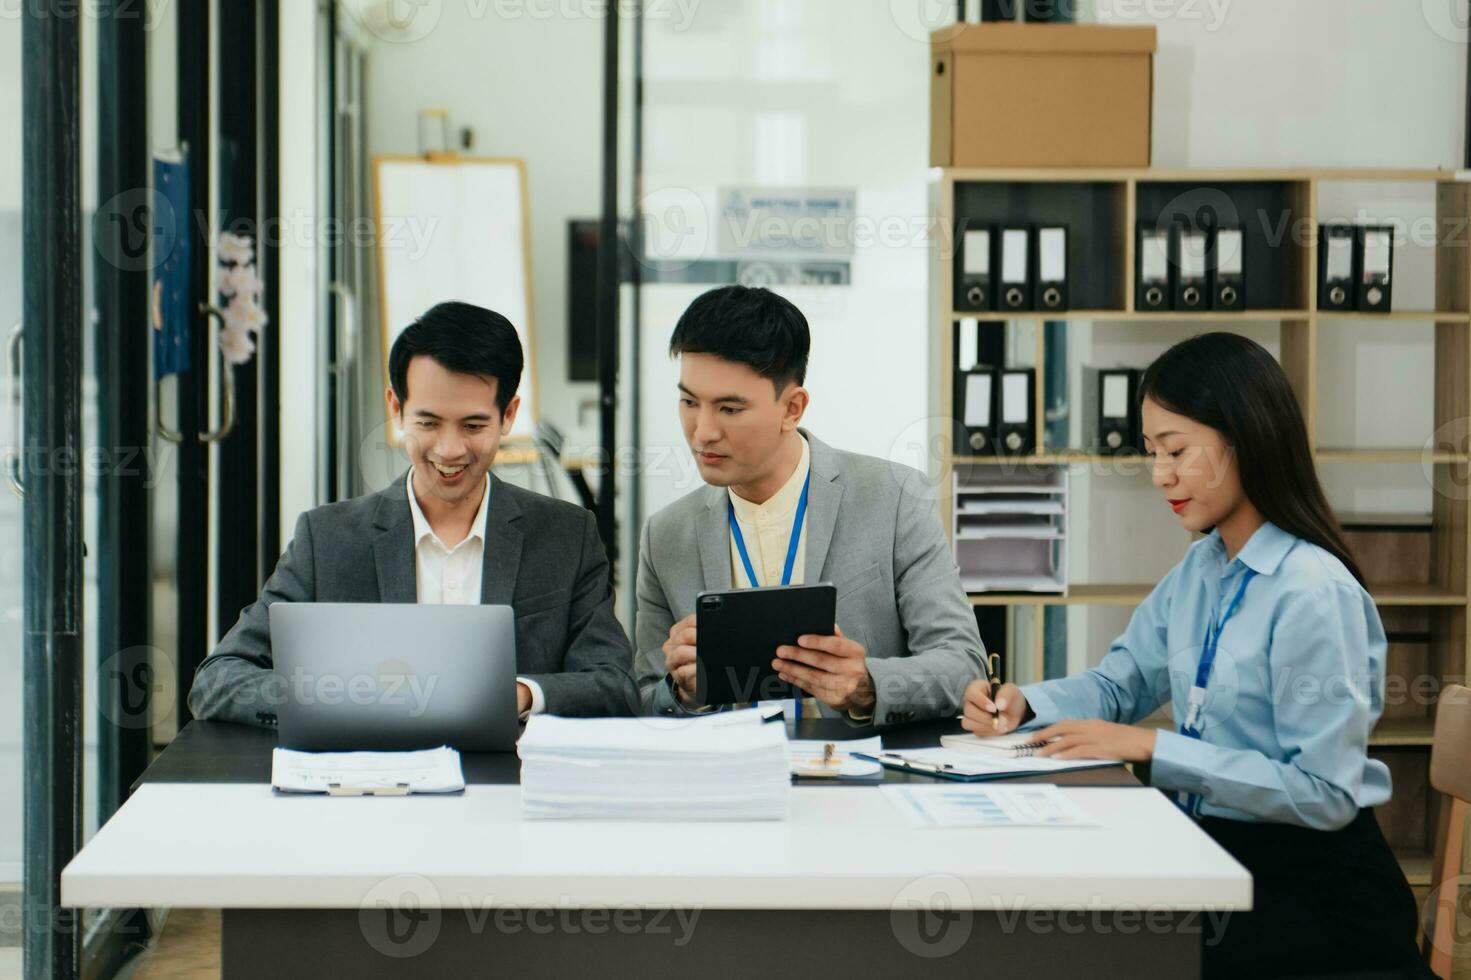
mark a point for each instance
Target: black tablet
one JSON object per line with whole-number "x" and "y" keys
{"x": 737, "y": 633}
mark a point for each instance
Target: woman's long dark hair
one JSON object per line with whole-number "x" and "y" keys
{"x": 1233, "y": 385}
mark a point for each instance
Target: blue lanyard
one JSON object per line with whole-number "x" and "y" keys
{"x": 1195, "y": 710}
{"x": 740, "y": 542}
{"x": 791, "y": 563}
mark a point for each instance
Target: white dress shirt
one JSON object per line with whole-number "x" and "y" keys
{"x": 452, "y": 576}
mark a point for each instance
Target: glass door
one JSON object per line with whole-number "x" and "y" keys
{"x": 11, "y": 626}
{"x": 47, "y": 473}
{"x": 133, "y": 340}
{"x": 772, "y": 178}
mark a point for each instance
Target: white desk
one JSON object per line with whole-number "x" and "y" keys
{"x": 843, "y": 879}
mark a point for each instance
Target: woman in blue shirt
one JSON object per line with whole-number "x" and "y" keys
{"x": 1271, "y": 653}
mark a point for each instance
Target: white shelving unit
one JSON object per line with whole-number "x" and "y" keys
{"x": 1009, "y": 530}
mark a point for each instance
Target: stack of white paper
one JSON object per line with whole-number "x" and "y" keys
{"x": 728, "y": 766}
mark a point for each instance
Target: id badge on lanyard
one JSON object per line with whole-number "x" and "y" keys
{"x": 1195, "y": 709}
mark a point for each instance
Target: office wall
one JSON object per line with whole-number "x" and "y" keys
{"x": 1243, "y": 83}
{"x": 301, "y": 163}
{"x": 10, "y": 151}
{"x": 526, "y": 77}
{"x": 815, "y": 94}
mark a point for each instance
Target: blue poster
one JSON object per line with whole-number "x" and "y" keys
{"x": 170, "y": 229}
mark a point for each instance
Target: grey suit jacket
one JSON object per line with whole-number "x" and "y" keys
{"x": 543, "y": 557}
{"x": 874, "y": 532}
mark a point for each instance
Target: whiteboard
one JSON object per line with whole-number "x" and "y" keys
{"x": 455, "y": 228}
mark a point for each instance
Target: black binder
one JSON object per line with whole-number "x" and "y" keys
{"x": 1015, "y": 398}
{"x": 1336, "y": 250}
{"x": 1051, "y": 266}
{"x": 1152, "y": 269}
{"x": 1228, "y": 272}
{"x": 975, "y": 412}
{"x": 973, "y": 292}
{"x": 1192, "y": 279}
{"x": 1375, "y": 256}
{"x": 1016, "y": 273}
{"x": 1111, "y": 399}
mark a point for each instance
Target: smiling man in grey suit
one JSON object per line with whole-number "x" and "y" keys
{"x": 448, "y": 532}
{"x": 907, "y": 642}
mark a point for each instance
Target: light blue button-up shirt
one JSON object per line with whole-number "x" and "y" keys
{"x": 1298, "y": 683}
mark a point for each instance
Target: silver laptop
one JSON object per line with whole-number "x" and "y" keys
{"x": 395, "y": 676}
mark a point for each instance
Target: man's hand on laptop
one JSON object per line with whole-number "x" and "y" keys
{"x": 679, "y": 659}
{"x": 833, "y": 669}
{"x": 523, "y": 698}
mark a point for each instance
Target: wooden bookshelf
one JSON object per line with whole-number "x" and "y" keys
{"x": 1122, "y": 594}
{"x": 1423, "y": 601}
{"x": 1136, "y": 463}
{"x": 1403, "y": 731}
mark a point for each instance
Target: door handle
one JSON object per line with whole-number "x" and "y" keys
{"x": 227, "y": 379}
{"x": 346, "y": 318}
{"x": 341, "y": 367}
{"x": 163, "y": 430}
{"x": 156, "y": 317}
{"x": 12, "y": 455}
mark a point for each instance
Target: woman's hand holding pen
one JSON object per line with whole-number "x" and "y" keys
{"x": 988, "y": 715}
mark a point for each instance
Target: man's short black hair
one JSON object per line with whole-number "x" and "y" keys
{"x": 465, "y": 339}
{"x": 748, "y": 325}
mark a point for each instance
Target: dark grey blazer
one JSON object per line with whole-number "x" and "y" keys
{"x": 543, "y": 557}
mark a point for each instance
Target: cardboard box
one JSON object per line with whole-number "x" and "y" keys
{"x": 1041, "y": 95}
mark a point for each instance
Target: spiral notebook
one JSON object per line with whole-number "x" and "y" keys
{"x": 1017, "y": 745}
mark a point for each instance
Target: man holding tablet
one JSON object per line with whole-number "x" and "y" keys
{"x": 447, "y": 532}
{"x": 782, "y": 508}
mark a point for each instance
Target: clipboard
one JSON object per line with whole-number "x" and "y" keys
{"x": 424, "y": 772}
{"x": 982, "y": 770}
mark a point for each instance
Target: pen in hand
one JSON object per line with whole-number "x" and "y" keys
{"x": 993, "y": 659}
